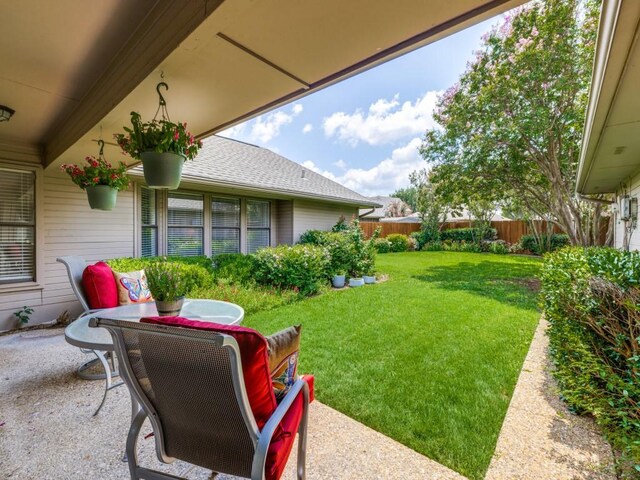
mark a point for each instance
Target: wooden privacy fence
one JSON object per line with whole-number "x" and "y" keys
{"x": 508, "y": 230}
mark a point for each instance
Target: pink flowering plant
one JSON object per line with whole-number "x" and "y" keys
{"x": 98, "y": 171}
{"x": 157, "y": 136}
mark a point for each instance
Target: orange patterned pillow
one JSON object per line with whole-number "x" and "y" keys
{"x": 132, "y": 288}
{"x": 283, "y": 349}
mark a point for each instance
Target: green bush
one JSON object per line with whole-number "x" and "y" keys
{"x": 399, "y": 242}
{"x": 234, "y": 267}
{"x": 499, "y": 247}
{"x": 546, "y": 244}
{"x": 591, "y": 299}
{"x": 468, "y": 234}
{"x": 461, "y": 246}
{"x": 197, "y": 271}
{"x": 314, "y": 237}
{"x": 300, "y": 267}
{"x": 363, "y": 251}
{"x": 340, "y": 253}
{"x": 436, "y": 246}
{"x": 382, "y": 245}
{"x": 252, "y": 299}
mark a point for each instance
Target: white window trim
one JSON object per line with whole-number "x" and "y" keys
{"x": 37, "y": 283}
{"x": 162, "y": 199}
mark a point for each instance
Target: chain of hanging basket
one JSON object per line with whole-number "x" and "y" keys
{"x": 162, "y": 103}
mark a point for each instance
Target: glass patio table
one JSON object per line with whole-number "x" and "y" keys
{"x": 99, "y": 342}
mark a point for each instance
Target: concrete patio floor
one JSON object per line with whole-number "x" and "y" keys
{"x": 47, "y": 430}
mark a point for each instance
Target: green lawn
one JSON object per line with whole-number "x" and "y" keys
{"x": 430, "y": 357}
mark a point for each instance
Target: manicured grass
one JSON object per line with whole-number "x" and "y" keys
{"x": 430, "y": 357}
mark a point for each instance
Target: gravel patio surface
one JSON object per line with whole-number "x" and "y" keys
{"x": 540, "y": 438}
{"x": 48, "y": 432}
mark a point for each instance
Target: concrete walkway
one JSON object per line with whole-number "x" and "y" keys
{"x": 540, "y": 439}
{"x": 48, "y": 432}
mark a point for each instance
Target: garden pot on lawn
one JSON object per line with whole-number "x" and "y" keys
{"x": 162, "y": 170}
{"x": 102, "y": 197}
{"x": 169, "y": 309}
{"x": 356, "y": 282}
{"x": 369, "y": 279}
{"x": 338, "y": 281}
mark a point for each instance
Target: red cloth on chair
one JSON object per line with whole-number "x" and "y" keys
{"x": 99, "y": 286}
{"x": 257, "y": 380}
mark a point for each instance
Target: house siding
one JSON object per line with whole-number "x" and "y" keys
{"x": 69, "y": 227}
{"x": 620, "y": 226}
{"x": 309, "y": 215}
{"x": 284, "y": 222}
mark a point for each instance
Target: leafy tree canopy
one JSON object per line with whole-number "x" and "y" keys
{"x": 510, "y": 129}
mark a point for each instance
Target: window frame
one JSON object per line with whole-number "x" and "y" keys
{"x": 155, "y": 226}
{"x": 203, "y": 195}
{"x": 213, "y": 196}
{"x": 35, "y": 283}
{"x": 249, "y": 229}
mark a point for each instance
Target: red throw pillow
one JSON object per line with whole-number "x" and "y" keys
{"x": 99, "y": 286}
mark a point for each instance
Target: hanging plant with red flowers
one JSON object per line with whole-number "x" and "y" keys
{"x": 98, "y": 171}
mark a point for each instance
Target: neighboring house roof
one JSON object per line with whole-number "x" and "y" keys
{"x": 380, "y": 211}
{"x": 413, "y": 218}
{"x": 466, "y": 216}
{"x": 230, "y": 163}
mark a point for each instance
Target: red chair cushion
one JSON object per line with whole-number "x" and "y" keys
{"x": 99, "y": 286}
{"x": 257, "y": 380}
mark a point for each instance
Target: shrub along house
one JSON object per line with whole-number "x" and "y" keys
{"x": 73, "y": 72}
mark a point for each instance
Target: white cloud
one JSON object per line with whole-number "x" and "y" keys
{"x": 265, "y": 127}
{"x": 307, "y": 128}
{"x": 341, "y": 164}
{"x": 386, "y": 121}
{"x": 385, "y": 177}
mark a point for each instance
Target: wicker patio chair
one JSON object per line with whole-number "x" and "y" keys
{"x": 190, "y": 385}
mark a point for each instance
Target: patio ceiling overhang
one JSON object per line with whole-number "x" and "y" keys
{"x": 73, "y": 69}
{"x": 610, "y": 154}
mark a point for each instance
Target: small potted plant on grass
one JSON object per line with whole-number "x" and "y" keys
{"x": 355, "y": 275}
{"x": 339, "y": 278}
{"x": 167, "y": 286}
{"x": 100, "y": 179}
{"x": 369, "y": 276}
{"x": 162, "y": 145}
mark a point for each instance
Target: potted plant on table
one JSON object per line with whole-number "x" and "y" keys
{"x": 167, "y": 286}
{"x": 162, "y": 145}
{"x": 100, "y": 179}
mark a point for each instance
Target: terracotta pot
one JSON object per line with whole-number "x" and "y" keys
{"x": 162, "y": 170}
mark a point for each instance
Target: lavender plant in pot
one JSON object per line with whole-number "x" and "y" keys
{"x": 167, "y": 286}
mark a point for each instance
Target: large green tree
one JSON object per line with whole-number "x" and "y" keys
{"x": 510, "y": 129}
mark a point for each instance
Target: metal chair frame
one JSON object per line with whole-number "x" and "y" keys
{"x": 261, "y": 439}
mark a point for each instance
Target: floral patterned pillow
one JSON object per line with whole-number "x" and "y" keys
{"x": 283, "y": 349}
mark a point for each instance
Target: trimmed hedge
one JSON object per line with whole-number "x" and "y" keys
{"x": 546, "y": 244}
{"x": 234, "y": 268}
{"x": 196, "y": 271}
{"x": 300, "y": 267}
{"x": 468, "y": 234}
{"x": 591, "y": 299}
{"x": 398, "y": 241}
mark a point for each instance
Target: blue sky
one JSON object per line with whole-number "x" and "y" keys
{"x": 365, "y": 132}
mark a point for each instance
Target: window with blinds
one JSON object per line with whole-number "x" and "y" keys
{"x": 185, "y": 227}
{"x": 225, "y": 225}
{"x": 17, "y": 226}
{"x": 258, "y": 224}
{"x": 149, "y": 223}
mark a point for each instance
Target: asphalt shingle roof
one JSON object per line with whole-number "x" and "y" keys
{"x": 225, "y": 162}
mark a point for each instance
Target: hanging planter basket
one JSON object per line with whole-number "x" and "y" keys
{"x": 162, "y": 145}
{"x": 102, "y": 197}
{"x": 162, "y": 170}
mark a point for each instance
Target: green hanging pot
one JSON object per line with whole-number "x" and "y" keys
{"x": 102, "y": 197}
{"x": 162, "y": 170}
